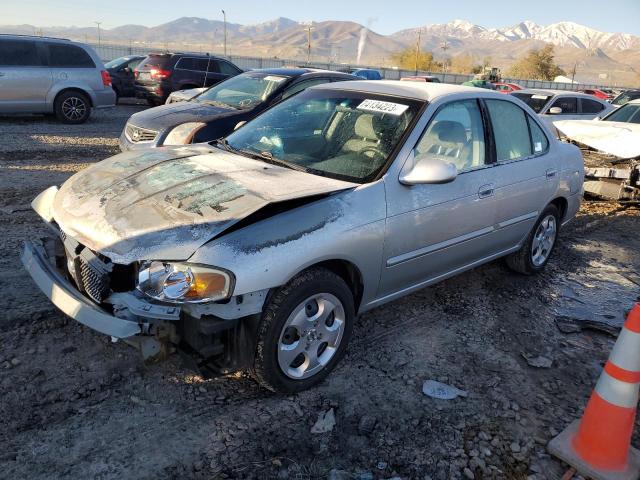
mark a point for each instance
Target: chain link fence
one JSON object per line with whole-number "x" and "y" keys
{"x": 109, "y": 52}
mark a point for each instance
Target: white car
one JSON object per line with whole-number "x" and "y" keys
{"x": 554, "y": 105}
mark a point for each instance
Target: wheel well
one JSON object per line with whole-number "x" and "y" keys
{"x": 562, "y": 205}
{"x": 349, "y": 273}
{"x": 79, "y": 90}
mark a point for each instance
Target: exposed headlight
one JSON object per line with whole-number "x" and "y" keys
{"x": 184, "y": 283}
{"x": 183, "y": 134}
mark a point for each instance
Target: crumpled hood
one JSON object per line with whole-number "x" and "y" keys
{"x": 164, "y": 116}
{"x": 165, "y": 203}
{"x": 615, "y": 138}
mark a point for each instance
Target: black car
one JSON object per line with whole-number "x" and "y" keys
{"x": 215, "y": 113}
{"x": 121, "y": 72}
{"x": 159, "y": 74}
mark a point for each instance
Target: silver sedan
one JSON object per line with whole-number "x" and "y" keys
{"x": 259, "y": 251}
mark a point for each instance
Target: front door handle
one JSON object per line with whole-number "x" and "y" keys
{"x": 486, "y": 191}
{"x": 551, "y": 173}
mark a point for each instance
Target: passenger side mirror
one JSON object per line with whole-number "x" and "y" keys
{"x": 239, "y": 124}
{"x": 428, "y": 169}
{"x": 555, "y": 111}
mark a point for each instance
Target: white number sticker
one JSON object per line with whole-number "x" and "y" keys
{"x": 382, "y": 107}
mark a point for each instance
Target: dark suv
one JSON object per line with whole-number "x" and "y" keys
{"x": 162, "y": 73}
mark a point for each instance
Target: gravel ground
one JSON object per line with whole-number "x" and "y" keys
{"x": 74, "y": 405}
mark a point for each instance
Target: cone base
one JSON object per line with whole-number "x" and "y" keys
{"x": 561, "y": 447}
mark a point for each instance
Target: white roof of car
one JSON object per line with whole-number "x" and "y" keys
{"x": 550, "y": 92}
{"x": 418, "y": 90}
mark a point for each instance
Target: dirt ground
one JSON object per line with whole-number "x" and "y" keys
{"x": 74, "y": 405}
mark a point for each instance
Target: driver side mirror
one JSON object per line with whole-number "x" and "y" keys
{"x": 555, "y": 111}
{"x": 239, "y": 124}
{"x": 428, "y": 169}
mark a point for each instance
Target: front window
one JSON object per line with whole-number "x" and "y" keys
{"x": 243, "y": 91}
{"x": 338, "y": 134}
{"x": 629, "y": 113}
{"x": 536, "y": 101}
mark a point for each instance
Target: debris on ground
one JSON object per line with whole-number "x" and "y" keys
{"x": 441, "y": 391}
{"x": 538, "y": 361}
{"x": 325, "y": 423}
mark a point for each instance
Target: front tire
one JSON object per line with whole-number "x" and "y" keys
{"x": 537, "y": 248}
{"x": 72, "y": 107}
{"x": 304, "y": 331}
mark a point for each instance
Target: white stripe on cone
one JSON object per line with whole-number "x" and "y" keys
{"x": 618, "y": 393}
{"x": 626, "y": 351}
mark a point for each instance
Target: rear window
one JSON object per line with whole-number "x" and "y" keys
{"x": 591, "y": 106}
{"x": 21, "y": 53}
{"x": 154, "y": 61}
{"x": 69, "y": 56}
{"x": 534, "y": 100}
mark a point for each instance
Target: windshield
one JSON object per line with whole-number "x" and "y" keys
{"x": 535, "y": 101}
{"x": 339, "y": 134}
{"x": 115, "y": 63}
{"x": 624, "y": 98}
{"x": 629, "y": 113}
{"x": 243, "y": 91}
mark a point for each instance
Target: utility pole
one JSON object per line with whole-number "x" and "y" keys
{"x": 309, "y": 27}
{"x": 224, "y": 16}
{"x": 418, "y": 49}
{"x": 99, "y": 39}
{"x": 573, "y": 73}
{"x": 444, "y": 47}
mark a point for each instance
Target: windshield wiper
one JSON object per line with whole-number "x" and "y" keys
{"x": 264, "y": 156}
{"x": 215, "y": 103}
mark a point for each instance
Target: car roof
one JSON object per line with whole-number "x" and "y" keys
{"x": 551, "y": 92}
{"x": 297, "y": 71}
{"x": 418, "y": 90}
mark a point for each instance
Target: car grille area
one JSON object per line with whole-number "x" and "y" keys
{"x": 138, "y": 134}
{"x": 91, "y": 272}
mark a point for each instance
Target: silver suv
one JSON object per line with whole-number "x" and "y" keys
{"x": 50, "y": 75}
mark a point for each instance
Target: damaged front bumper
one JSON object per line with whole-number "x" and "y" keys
{"x": 612, "y": 178}
{"x": 68, "y": 299}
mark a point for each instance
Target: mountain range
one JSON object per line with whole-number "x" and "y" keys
{"x": 600, "y": 57}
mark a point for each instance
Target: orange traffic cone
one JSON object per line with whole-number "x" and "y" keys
{"x": 598, "y": 446}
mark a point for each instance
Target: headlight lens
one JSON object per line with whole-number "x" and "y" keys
{"x": 183, "y": 134}
{"x": 184, "y": 283}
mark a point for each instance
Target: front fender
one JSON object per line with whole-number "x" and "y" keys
{"x": 345, "y": 226}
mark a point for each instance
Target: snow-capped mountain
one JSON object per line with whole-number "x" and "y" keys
{"x": 562, "y": 34}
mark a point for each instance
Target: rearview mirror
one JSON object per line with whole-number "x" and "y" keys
{"x": 555, "y": 111}
{"x": 239, "y": 124}
{"x": 429, "y": 170}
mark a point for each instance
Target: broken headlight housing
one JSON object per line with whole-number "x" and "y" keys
{"x": 183, "y": 134}
{"x": 183, "y": 282}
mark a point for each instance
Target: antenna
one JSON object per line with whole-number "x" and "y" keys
{"x": 206, "y": 74}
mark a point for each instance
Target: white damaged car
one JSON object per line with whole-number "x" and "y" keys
{"x": 259, "y": 251}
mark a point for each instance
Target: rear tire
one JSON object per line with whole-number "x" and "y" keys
{"x": 539, "y": 244}
{"x": 72, "y": 107}
{"x": 304, "y": 331}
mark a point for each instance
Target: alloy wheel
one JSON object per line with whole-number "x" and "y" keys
{"x": 311, "y": 336}
{"x": 74, "y": 108}
{"x": 543, "y": 240}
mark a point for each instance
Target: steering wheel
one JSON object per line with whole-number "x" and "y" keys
{"x": 377, "y": 153}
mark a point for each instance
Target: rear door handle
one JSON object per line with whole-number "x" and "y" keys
{"x": 551, "y": 173}
{"x": 486, "y": 190}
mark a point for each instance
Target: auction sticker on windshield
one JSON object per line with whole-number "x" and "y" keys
{"x": 382, "y": 107}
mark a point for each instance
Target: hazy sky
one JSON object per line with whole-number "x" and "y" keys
{"x": 385, "y": 16}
